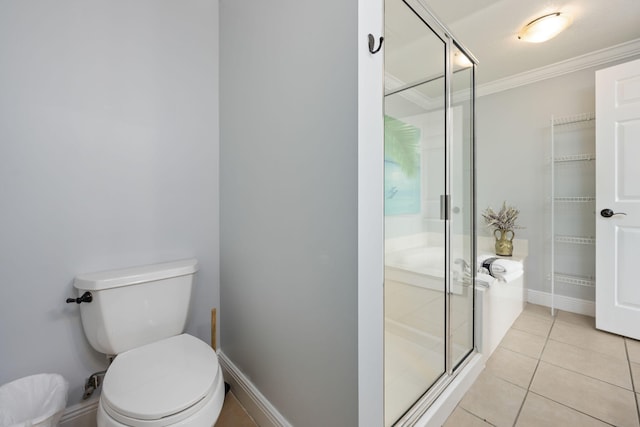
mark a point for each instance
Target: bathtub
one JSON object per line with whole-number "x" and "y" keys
{"x": 496, "y": 307}
{"x": 420, "y": 266}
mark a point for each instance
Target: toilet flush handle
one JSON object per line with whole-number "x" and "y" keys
{"x": 86, "y": 297}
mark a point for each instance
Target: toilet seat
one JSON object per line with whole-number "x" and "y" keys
{"x": 162, "y": 383}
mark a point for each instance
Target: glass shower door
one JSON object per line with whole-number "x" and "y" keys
{"x": 415, "y": 261}
{"x": 461, "y": 236}
{"x": 428, "y": 207}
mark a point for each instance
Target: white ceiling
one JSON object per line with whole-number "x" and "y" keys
{"x": 488, "y": 29}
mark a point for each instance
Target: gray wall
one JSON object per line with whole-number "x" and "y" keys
{"x": 512, "y": 160}
{"x": 288, "y": 219}
{"x": 108, "y": 158}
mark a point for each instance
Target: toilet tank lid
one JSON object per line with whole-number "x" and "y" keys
{"x": 133, "y": 275}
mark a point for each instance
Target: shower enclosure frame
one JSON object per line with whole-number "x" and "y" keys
{"x": 416, "y": 412}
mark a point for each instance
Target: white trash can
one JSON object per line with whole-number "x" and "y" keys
{"x": 37, "y": 400}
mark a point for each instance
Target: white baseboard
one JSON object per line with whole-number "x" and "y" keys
{"x": 260, "y": 409}
{"x": 81, "y": 414}
{"x": 562, "y": 302}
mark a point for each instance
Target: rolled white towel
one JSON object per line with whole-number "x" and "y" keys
{"x": 505, "y": 265}
{"x": 508, "y": 277}
{"x": 485, "y": 280}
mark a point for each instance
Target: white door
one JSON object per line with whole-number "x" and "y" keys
{"x": 618, "y": 199}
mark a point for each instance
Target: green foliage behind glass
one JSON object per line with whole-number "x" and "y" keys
{"x": 401, "y": 145}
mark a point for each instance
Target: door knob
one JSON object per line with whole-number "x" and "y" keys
{"x": 608, "y": 213}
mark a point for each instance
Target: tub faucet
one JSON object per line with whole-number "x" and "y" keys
{"x": 465, "y": 280}
{"x": 465, "y": 265}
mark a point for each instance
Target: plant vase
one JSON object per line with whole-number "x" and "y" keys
{"x": 504, "y": 243}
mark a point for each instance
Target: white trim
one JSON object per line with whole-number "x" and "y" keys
{"x": 562, "y": 302}
{"x": 593, "y": 59}
{"x": 260, "y": 409}
{"x": 370, "y": 220}
{"x": 81, "y": 414}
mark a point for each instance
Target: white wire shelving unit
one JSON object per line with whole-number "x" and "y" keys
{"x": 576, "y": 240}
{"x": 575, "y": 199}
{"x": 567, "y": 123}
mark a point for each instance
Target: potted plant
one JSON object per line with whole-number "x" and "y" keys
{"x": 502, "y": 223}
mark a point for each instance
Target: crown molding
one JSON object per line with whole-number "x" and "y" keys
{"x": 593, "y": 59}
{"x": 413, "y": 96}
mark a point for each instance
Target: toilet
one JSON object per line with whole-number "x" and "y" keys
{"x": 160, "y": 376}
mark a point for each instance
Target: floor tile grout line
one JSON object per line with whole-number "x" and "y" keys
{"x": 588, "y": 376}
{"x": 546, "y": 341}
{"x": 633, "y": 384}
{"x": 526, "y": 394}
{"x": 626, "y": 350}
{"x": 591, "y": 328}
{"x": 591, "y": 350}
{"x": 517, "y": 352}
{"x": 476, "y": 416}
{"x": 572, "y": 408}
{"x": 530, "y": 333}
{"x": 553, "y": 322}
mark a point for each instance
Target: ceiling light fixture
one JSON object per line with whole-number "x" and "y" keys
{"x": 544, "y": 28}
{"x": 461, "y": 60}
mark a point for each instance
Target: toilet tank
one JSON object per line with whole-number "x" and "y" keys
{"x": 135, "y": 306}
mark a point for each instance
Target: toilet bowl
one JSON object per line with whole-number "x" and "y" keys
{"x": 173, "y": 382}
{"x": 160, "y": 376}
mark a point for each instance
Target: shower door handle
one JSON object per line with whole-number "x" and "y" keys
{"x": 445, "y": 200}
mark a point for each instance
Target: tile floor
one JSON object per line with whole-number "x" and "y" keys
{"x": 555, "y": 372}
{"x": 233, "y": 414}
